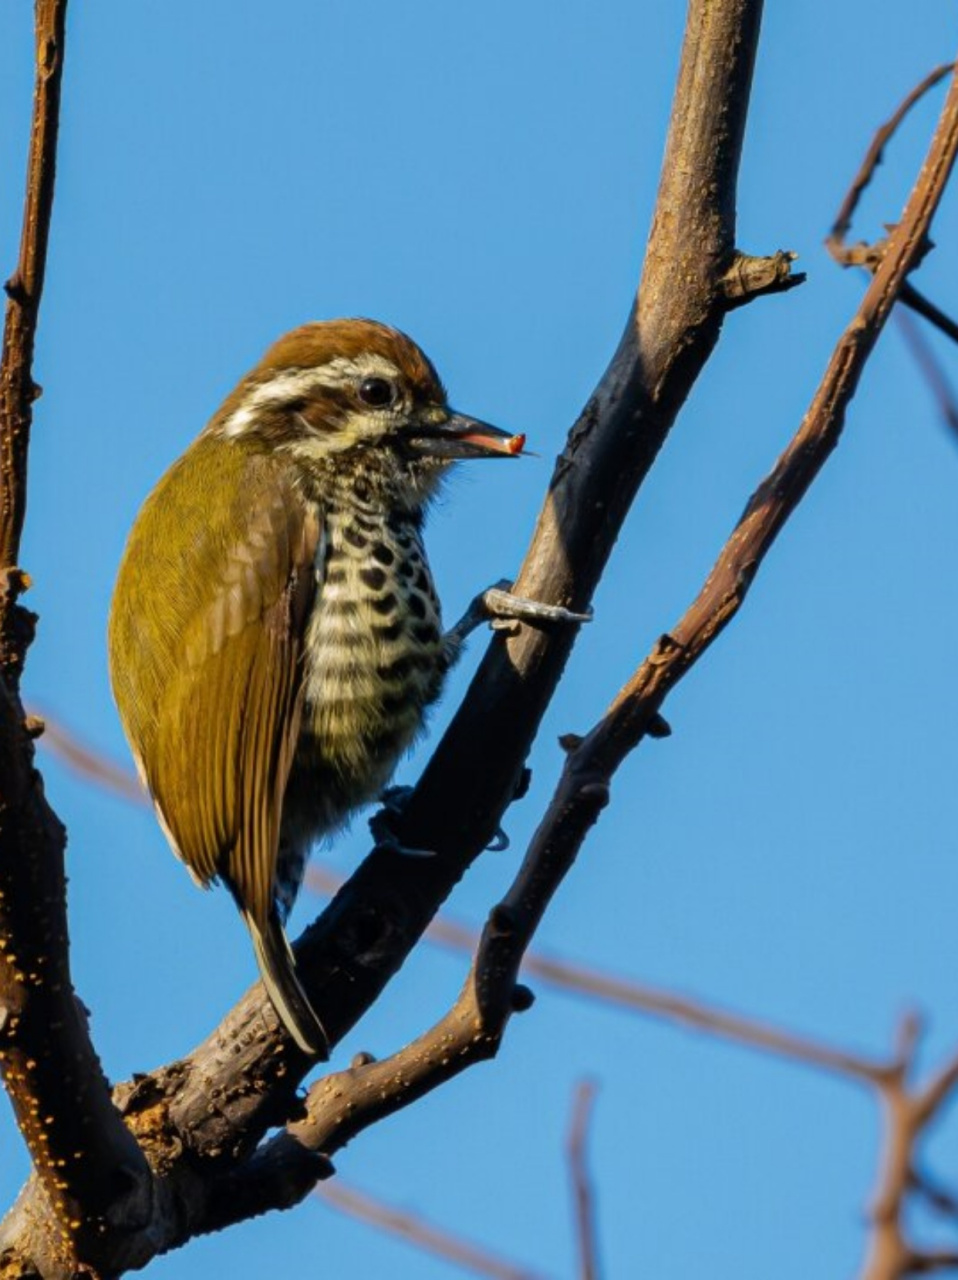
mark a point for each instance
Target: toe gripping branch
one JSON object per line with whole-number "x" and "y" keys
{"x": 383, "y": 827}
{"x": 503, "y": 611}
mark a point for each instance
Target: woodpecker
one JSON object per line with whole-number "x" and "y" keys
{"x": 275, "y": 635}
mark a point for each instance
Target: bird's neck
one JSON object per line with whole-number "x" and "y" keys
{"x": 370, "y": 486}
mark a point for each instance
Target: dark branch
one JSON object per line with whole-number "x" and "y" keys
{"x": 931, "y": 370}
{"x": 25, "y": 287}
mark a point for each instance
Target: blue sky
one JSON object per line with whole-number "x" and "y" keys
{"x": 483, "y": 177}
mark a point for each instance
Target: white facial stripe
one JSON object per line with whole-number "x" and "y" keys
{"x": 292, "y": 385}
{"x": 295, "y": 384}
{"x": 342, "y": 370}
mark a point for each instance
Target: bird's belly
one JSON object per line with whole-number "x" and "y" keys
{"x": 373, "y": 663}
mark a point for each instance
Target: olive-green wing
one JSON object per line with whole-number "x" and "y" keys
{"x": 214, "y": 717}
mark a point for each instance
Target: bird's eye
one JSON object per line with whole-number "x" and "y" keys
{"x": 378, "y": 393}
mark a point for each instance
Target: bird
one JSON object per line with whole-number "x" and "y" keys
{"x": 275, "y": 636}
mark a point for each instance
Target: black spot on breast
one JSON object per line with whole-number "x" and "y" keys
{"x": 343, "y": 608}
{"x": 385, "y": 555}
{"x": 407, "y": 569}
{"x": 374, "y": 578}
{"x": 426, "y": 632}
{"x": 390, "y": 632}
{"x": 396, "y": 669}
{"x": 384, "y": 604}
{"x": 422, "y": 582}
{"x": 394, "y": 703}
{"x": 355, "y": 537}
{"x": 417, "y": 606}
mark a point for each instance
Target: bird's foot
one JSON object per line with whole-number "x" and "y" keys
{"x": 382, "y": 824}
{"x": 504, "y": 612}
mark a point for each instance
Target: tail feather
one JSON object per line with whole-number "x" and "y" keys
{"x": 277, "y": 968}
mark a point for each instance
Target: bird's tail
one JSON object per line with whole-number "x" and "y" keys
{"x": 277, "y": 967}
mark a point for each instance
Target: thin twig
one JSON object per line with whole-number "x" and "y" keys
{"x": 415, "y": 1230}
{"x": 931, "y": 369}
{"x": 923, "y": 307}
{"x": 25, "y": 287}
{"x": 869, "y": 255}
{"x": 873, "y": 158}
{"x": 906, "y": 1114}
{"x": 88, "y": 762}
{"x": 583, "y": 1193}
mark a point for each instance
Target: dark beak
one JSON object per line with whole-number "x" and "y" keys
{"x": 462, "y": 437}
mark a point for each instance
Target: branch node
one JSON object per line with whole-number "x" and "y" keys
{"x": 15, "y": 289}
{"x": 658, "y": 727}
{"x": 361, "y": 1059}
{"x": 570, "y": 742}
{"x": 522, "y": 998}
{"x": 502, "y": 920}
{"x": 749, "y": 277}
{"x": 323, "y": 1167}
{"x": 597, "y": 791}
{"x": 34, "y": 726}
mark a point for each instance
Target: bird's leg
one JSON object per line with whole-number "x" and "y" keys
{"x": 503, "y": 611}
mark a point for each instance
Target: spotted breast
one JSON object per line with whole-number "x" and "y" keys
{"x": 374, "y": 661}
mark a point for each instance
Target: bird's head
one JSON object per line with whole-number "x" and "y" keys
{"x": 351, "y": 398}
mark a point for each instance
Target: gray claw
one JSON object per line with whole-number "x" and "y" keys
{"x": 501, "y": 604}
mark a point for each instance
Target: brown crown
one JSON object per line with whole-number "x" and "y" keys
{"x": 315, "y": 344}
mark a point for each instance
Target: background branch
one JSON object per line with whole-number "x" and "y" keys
{"x": 421, "y": 1234}
{"x": 583, "y": 1194}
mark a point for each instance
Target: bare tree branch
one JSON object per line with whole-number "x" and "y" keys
{"x": 874, "y": 157}
{"x": 906, "y": 1114}
{"x": 24, "y": 289}
{"x": 423, "y": 1235}
{"x": 583, "y": 1194}
{"x": 91, "y": 1182}
{"x": 869, "y": 255}
{"x": 86, "y": 761}
{"x": 931, "y": 370}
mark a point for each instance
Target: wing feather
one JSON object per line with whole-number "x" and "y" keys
{"x": 213, "y": 708}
